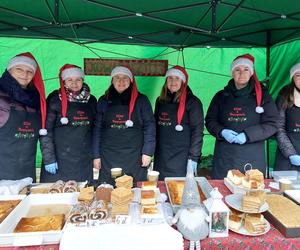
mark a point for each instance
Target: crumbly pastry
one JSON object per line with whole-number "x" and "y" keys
{"x": 149, "y": 209}
{"x": 40, "y": 223}
{"x": 284, "y": 210}
{"x": 148, "y": 197}
{"x": 149, "y": 185}
{"x": 6, "y": 207}
{"x": 124, "y": 181}
{"x": 255, "y": 175}
{"x": 120, "y": 199}
{"x": 253, "y": 200}
{"x": 70, "y": 187}
{"x": 103, "y": 192}
{"x": 86, "y": 194}
{"x": 235, "y": 222}
{"x": 235, "y": 176}
{"x": 255, "y": 223}
{"x": 57, "y": 187}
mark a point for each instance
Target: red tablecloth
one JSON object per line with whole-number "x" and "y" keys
{"x": 271, "y": 240}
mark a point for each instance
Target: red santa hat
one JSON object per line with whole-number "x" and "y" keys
{"x": 66, "y": 71}
{"x": 29, "y": 60}
{"x": 248, "y": 60}
{"x": 134, "y": 92}
{"x": 182, "y": 74}
{"x": 295, "y": 69}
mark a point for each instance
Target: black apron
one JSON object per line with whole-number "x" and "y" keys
{"x": 292, "y": 125}
{"x": 172, "y": 146}
{"x": 18, "y": 142}
{"x": 73, "y": 146}
{"x": 121, "y": 146}
{"x": 237, "y": 113}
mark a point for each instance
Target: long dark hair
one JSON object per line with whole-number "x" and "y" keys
{"x": 287, "y": 96}
{"x": 164, "y": 97}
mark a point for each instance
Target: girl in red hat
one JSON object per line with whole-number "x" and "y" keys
{"x": 288, "y": 135}
{"x": 22, "y": 117}
{"x": 241, "y": 117}
{"x": 179, "y": 126}
{"x": 124, "y": 135}
{"x": 67, "y": 148}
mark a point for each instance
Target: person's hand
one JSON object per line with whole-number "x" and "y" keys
{"x": 295, "y": 160}
{"x": 194, "y": 165}
{"x": 240, "y": 138}
{"x": 97, "y": 163}
{"x": 229, "y": 135}
{"x": 146, "y": 160}
{"x": 51, "y": 168}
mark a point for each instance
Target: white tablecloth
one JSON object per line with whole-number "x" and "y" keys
{"x": 122, "y": 237}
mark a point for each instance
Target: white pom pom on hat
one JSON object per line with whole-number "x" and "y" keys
{"x": 43, "y": 131}
{"x": 129, "y": 123}
{"x": 295, "y": 69}
{"x": 64, "y": 120}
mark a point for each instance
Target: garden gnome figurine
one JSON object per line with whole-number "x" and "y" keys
{"x": 191, "y": 218}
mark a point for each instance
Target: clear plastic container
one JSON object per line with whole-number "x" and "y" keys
{"x": 290, "y": 175}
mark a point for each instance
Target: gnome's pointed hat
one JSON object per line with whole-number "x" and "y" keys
{"x": 190, "y": 196}
{"x": 29, "y": 60}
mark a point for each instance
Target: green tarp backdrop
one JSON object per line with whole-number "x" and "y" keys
{"x": 208, "y": 68}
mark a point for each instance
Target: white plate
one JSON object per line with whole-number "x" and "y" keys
{"x": 235, "y": 201}
{"x": 243, "y": 231}
{"x": 294, "y": 195}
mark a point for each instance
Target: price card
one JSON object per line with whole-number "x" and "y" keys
{"x": 123, "y": 219}
{"x": 148, "y": 220}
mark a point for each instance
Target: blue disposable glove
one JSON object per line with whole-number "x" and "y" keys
{"x": 229, "y": 135}
{"x": 194, "y": 165}
{"x": 51, "y": 168}
{"x": 295, "y": 160}
{"x": 240, "y": 138}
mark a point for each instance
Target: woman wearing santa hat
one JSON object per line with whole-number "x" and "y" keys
{"x": 288, "y": 134}
{"x": 241, "y": 117}
{"x": 179, "y": 126}
{"x": 22, "y": 116}
{"x": 67, "y": 148}
{"x": 124, "y": 135}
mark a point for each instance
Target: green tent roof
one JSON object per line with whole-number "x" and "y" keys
{"x": 178, "y": 24}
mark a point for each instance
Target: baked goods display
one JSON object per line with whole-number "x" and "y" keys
{"x": 253, "y": 200}
{"x": 40, "y": 223}
{"x": 82, "y": 212}
{"x": 103, "y": 192}
{"x": 284, "y": 210}
{"x": 149, "y": 185}
{"x": 249, "y": 224}
{"x": 148, "y": 197}
{"x": 64, "y": 187}
{"x": 86, "y": 194}
{"x": 6, "y": 207}
{"x": 120, "y": 199}
{"x": 255, "y": 223}
{"x": 124, "y": 181}
{"x": 176, "y": 187}
{"x": 252, "y": 179}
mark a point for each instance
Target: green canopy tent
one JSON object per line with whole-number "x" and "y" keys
{"x": 192, "y": 33}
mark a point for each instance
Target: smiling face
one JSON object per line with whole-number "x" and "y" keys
{"x": 173, "y": 83}
{"x": 74, "y": 83}
{"x": 121, "y": 82}
{"x": 23, "y": 74}
{"x": 241, "y": 75}
{"x": 296, "y": 79}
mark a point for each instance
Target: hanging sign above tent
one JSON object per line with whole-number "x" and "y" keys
{"x": 103, "y": 67}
